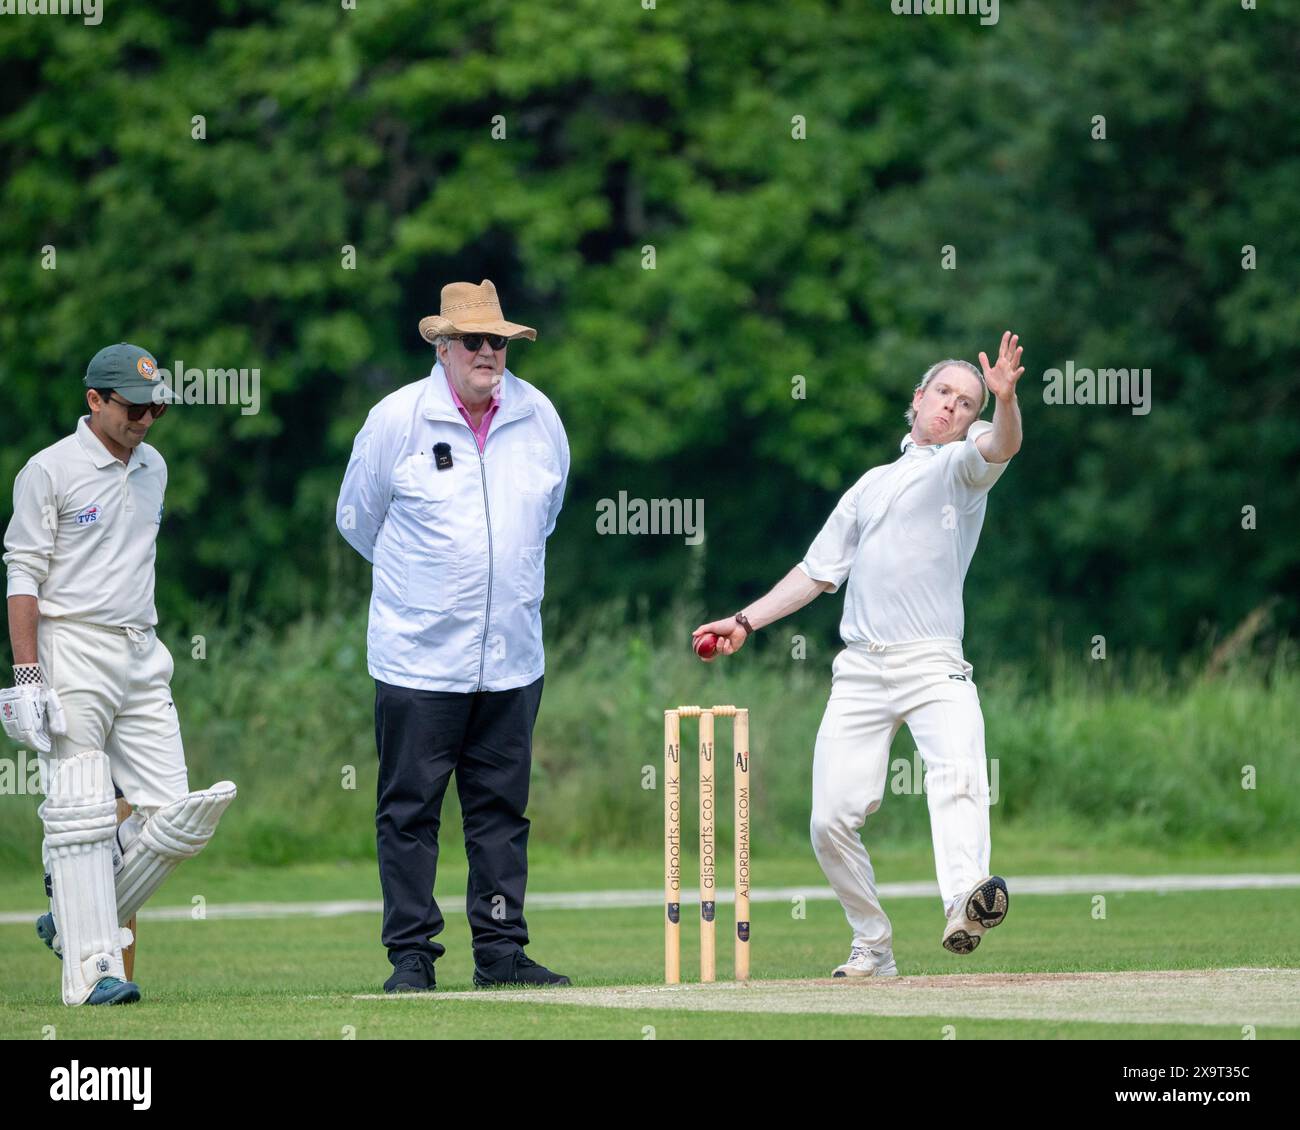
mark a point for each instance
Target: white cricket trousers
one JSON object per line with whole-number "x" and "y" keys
{"x": 875, "y": 689}
{"x": 115, "y": 686}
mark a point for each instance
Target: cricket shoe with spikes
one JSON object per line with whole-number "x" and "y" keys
{"x": 866, "y": 962}
{"x": 982, "y": 909}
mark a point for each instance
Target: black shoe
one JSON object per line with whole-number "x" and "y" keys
{"x": 412, "y": 973}
{"x": 517, "y": 969}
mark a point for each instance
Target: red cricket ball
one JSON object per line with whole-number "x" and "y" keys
{"x": 706, "y": 646}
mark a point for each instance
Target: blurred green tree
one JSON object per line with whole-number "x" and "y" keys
{"x": 796, "y": 173}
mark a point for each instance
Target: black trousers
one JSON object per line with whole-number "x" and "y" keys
{"x": 486, "y": 738}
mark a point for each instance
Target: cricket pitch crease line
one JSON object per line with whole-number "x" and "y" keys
{"x": 1263, "y": 997}
{"x": 636, "y": 899}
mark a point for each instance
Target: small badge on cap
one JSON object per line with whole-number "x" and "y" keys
{"x": 147, "y": 369}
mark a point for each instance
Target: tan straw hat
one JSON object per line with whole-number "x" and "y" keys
{"x": 470, "y": 309}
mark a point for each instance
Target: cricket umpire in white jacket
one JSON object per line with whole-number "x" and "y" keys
{"x": 92, "y": 679}
{"x": 453, "y": 487}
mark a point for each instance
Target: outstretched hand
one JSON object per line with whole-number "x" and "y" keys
{"x": 731, "y": 636}
{"x": 1001, "y": 378}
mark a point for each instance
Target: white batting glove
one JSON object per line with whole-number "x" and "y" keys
{"x": 31, "y": 711}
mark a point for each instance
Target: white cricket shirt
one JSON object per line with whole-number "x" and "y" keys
{"x": 83, "y": 534}
{"x": 904, "y": 536}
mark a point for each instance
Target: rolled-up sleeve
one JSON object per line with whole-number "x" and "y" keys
{"x": 364, "y": 496}
{"x": 29, "y": 541}
{"x": 831, "y": 554}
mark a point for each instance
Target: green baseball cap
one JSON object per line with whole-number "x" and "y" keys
{"x": 132, "y": 371}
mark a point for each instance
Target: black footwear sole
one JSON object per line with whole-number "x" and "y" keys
{"x": 521, "y": 983}
{"x": 960, "y": 942}
{"x": 485, "y": 984}
{"x": 410, "y": 989}
{"x": 987, "y": 904}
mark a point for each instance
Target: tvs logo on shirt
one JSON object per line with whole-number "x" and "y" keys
{"x": 88, "y": 515}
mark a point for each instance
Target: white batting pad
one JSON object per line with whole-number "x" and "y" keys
{"x": 175, "y": 832}
{"x": 80, "y": 815}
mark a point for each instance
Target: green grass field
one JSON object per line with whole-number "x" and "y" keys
{"x": 1101, "y": 769}
{"x": 299, "y": 978}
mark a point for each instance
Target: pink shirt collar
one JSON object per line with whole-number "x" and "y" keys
{"x": 480, "y": 433}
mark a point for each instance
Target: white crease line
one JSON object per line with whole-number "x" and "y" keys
{"x": 635, "y": 899}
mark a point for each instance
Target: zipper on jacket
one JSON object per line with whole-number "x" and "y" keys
{"x": 487, "y": 515}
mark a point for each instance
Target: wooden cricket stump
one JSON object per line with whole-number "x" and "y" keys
{"x": 708, "y": 845}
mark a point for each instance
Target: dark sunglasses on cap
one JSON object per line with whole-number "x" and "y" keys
{"x": 474, "y": 342}
{"x": 135, "y": 412}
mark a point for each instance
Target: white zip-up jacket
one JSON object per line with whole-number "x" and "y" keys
{"x": 458, "y": 553}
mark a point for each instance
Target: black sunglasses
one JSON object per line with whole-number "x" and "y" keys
{"x": 474, "y": 342}
{"x": 135, "y": 412}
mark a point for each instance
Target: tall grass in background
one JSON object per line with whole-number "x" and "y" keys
{"x": 1118, "y": 750}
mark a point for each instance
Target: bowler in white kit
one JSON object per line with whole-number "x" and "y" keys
{"x": 903, "y": 538}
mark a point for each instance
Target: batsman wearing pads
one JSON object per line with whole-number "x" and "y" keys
{"x": 91, "y": 689}
{"x": 903, "y": 537}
